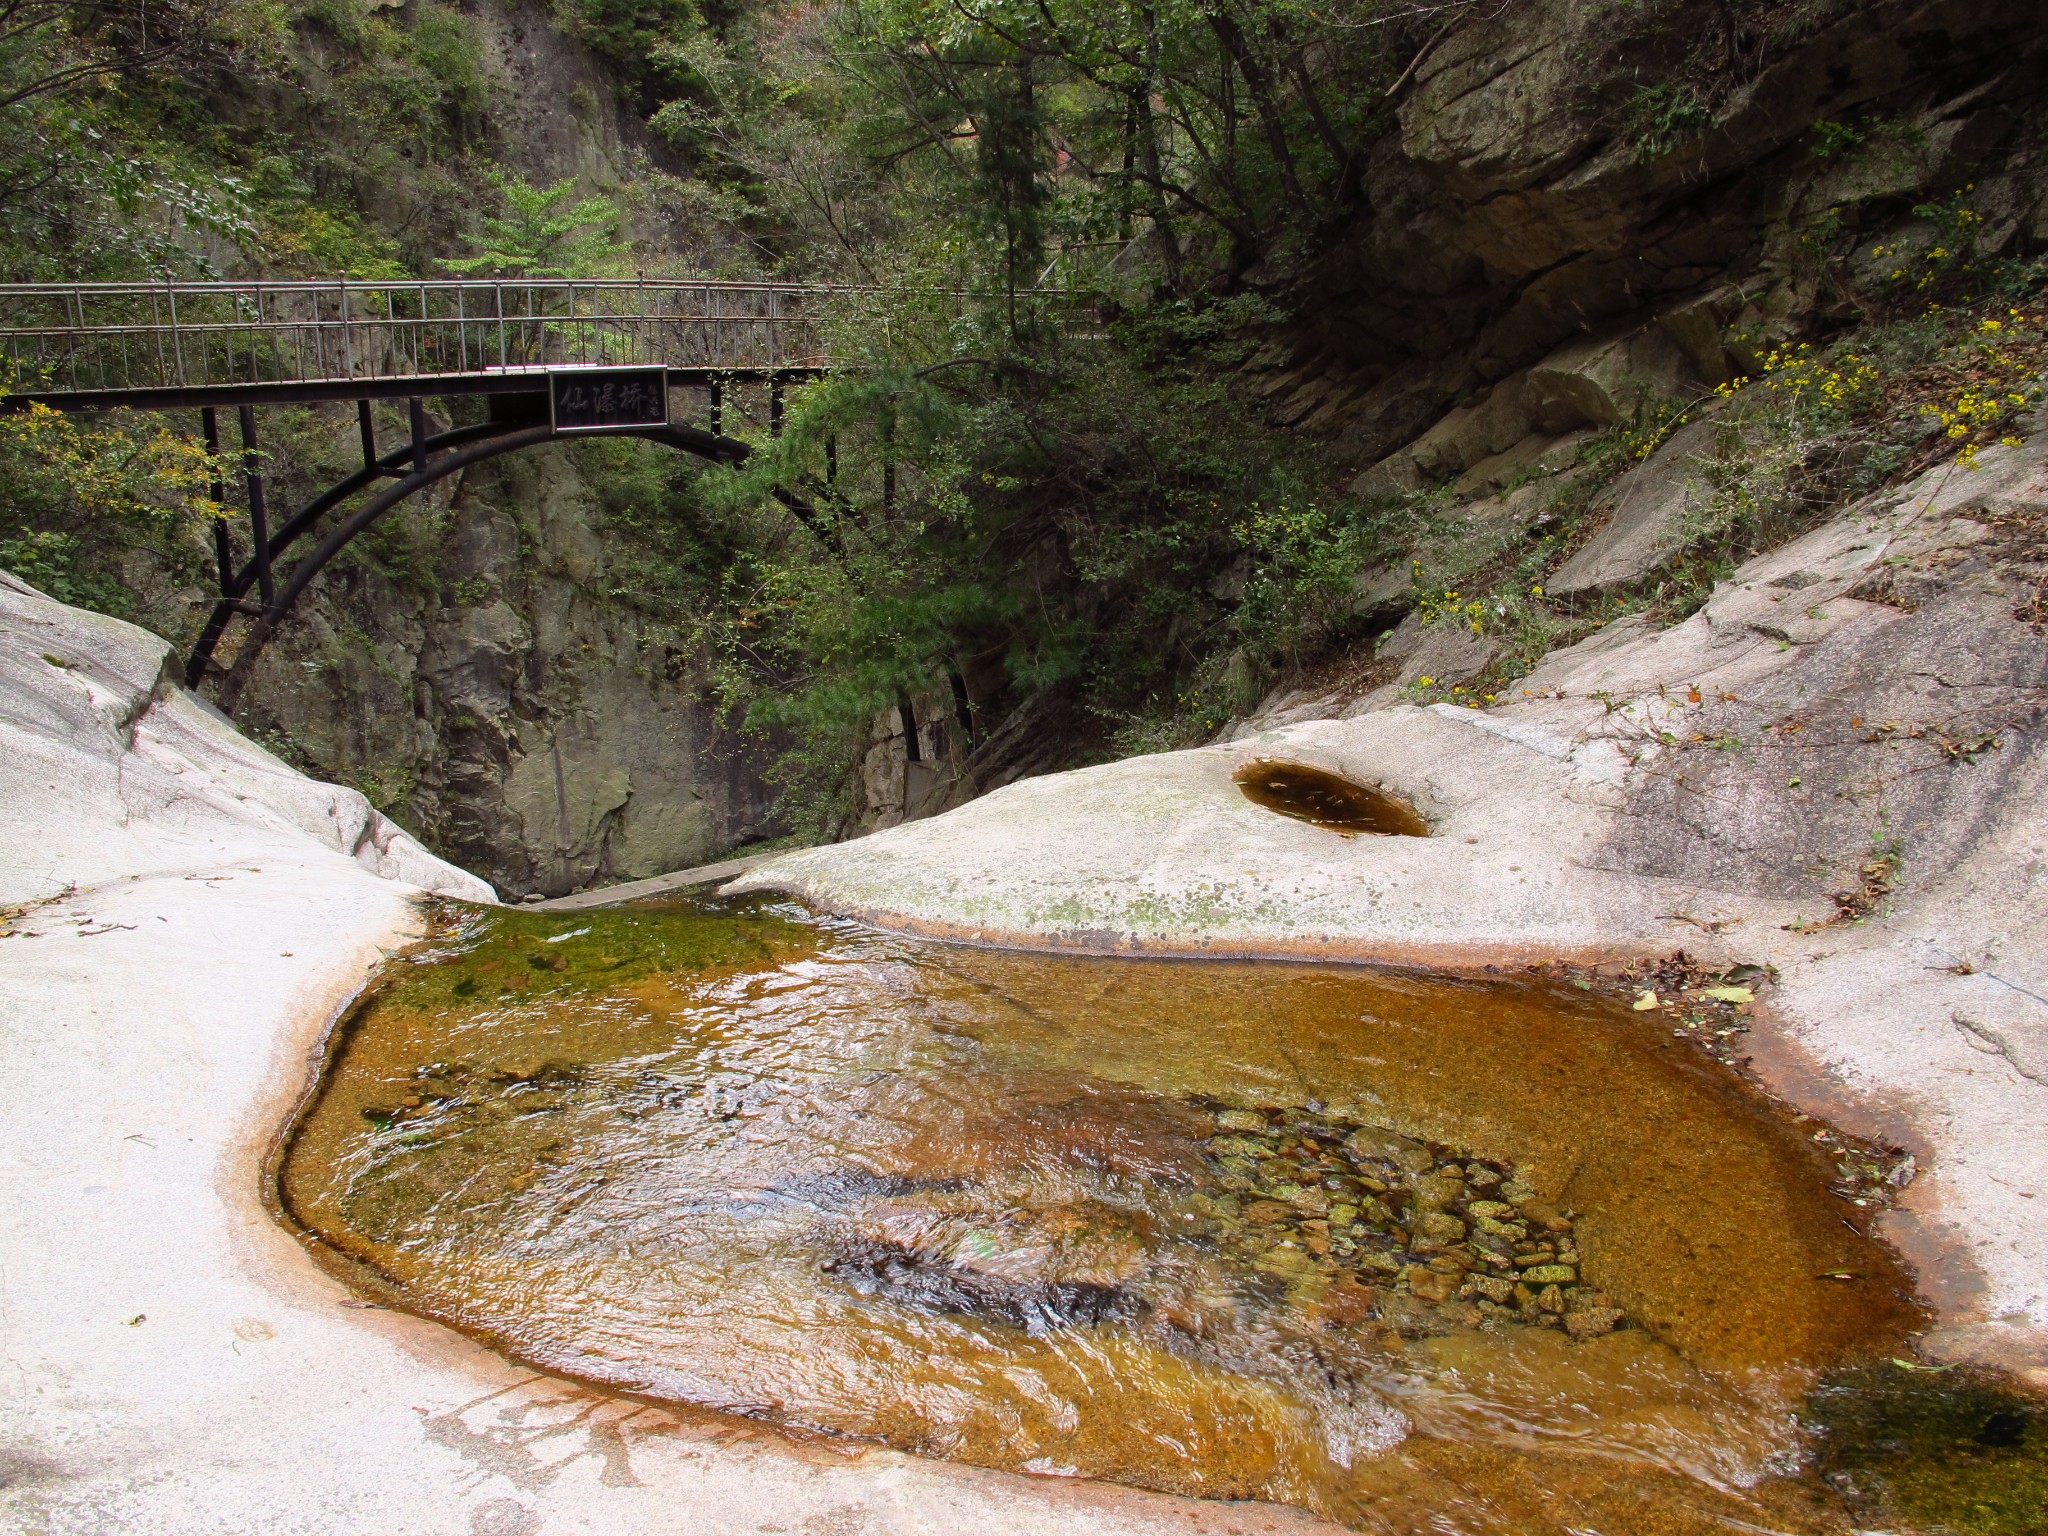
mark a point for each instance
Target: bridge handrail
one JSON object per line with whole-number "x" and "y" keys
{"x": 115, "y": 336}
{"x": 83, "y": 338}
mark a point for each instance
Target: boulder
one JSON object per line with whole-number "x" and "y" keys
{"x": 1610, "y": 380}
{"x": 1443, "y": 652}
{"x": 1537, "y": 454}
{"x": 1607, "y": 380}
{"x": 111, "y": 767}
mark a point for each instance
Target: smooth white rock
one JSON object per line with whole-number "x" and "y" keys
{"x": 1926, "y": 1025}
{"x": 171, "y": 1360}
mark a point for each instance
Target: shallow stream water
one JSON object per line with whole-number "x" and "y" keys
{"x": 1417, "y": 1255}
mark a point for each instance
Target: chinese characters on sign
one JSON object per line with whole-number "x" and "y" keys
{"x": 608, "y": 399}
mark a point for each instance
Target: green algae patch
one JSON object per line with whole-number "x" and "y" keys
{"x": 1950, "y": 1450}
{"x": 477, "y": 955}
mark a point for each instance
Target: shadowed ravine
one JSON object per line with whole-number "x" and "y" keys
{"x": 1415, "y": 1254}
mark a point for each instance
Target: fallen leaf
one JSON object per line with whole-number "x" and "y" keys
{"x": 1730, "y": 994}
{"x": 1646, "y": 1002}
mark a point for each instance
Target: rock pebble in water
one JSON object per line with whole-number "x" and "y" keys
{"x": 1591, "y": 1322}
{"x": 1309, "y": 1219}
{"x": 1373, "y": 1228}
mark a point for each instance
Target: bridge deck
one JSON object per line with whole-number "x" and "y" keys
{"x": 172, "y": 345}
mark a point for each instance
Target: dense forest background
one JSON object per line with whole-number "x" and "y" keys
{"x": 1204, "y": 344}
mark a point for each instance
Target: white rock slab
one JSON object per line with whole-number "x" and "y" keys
{"x": 186, "y": 918}
{"x": 1925, "y": 1025}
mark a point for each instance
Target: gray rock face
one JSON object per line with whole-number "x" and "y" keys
{"x": 490, "y": 691}
{"x": 1646, "y": 510}
{"x": 1518, "y": 219}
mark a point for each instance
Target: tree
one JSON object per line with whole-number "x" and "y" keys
{"x": 51, "y": 50}
{"x": 539, "y": 234}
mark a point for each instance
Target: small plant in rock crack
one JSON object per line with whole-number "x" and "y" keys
{"x": 1832, "y": 138}
{"x": 1662, "y": 118}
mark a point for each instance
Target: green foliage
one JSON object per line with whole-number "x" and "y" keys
{"x": 635, "y": 36}
{"x": 540, "y": 233}
{"x": 88, "y": 186}
{"x": 996, "y": 142}
{"x": 417, "y": 85}
{"x": 53, "y": 563}
{"x": 1076, "y": 516}
{"x": 445, "y": 44}
{"x": 1832, "y": 138}
{"x": 1060, "y": 492}
{"x": 1664, "y": 118}
{"x": 83, "y": 496}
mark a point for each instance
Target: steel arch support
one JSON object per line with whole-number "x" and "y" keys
{"x": 235, "y": 585}
{"x": 717, "y": 448}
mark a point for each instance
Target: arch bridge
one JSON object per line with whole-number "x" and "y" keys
{"x": 553, "y": 359}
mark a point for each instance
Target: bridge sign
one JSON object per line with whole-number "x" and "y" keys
{"x": 607, "y": 399}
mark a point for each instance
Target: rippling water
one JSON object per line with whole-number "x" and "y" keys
{"x": 1414, "y": 1254}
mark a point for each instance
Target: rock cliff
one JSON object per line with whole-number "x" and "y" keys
{"x": 1590, "y": 204}
{"x": 487, "y": 683}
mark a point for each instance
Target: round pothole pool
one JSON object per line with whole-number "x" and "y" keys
{"x": 1417, "y": 1255}
{"x": 1325, "y": 799}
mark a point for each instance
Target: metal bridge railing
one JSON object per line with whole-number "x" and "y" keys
{"x": 128, "y": 336}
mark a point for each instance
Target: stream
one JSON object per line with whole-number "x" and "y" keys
{"x": 1415, "y": 1254}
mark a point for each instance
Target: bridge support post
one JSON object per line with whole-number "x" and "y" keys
{"x": 259, "y": 517}
{"x": 417, "y": 409}
{"x": 775, "y": 405}
{"x": 717, "y": 409}
{"x": 367, "y": 427}
{"x": 217, "y": 492}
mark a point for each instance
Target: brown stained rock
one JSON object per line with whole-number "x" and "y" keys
{"x": 1493, "y": 1288}
{"x": 1440, "y": 1227}
{"x": 1348, "y": 1302}
{"x": 1430, "y": 1284}
{"x": 1313, "y": 1201}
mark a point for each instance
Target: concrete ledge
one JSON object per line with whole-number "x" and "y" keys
{"x": 655, "y": 885}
